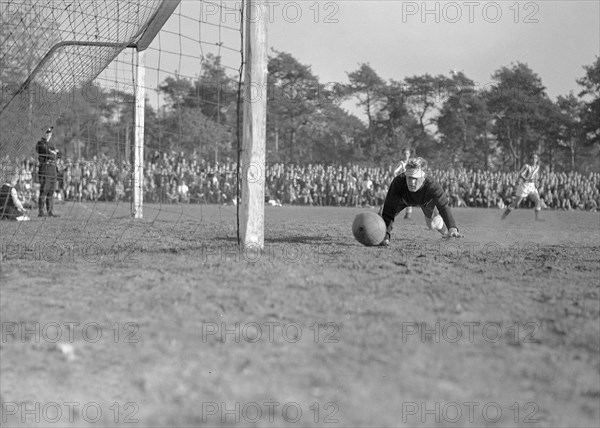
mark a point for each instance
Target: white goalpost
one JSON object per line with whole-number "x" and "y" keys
{"x": 255, "y": 124}
{"x": 162, "y": 15}
{"x": 137, "y": 201}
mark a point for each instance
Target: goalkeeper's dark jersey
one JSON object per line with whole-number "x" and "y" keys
{"x": 430, "y": 195}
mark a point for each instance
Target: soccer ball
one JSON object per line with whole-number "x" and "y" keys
{"x": 437, "y": 222}
{"x": 369, "y": 229}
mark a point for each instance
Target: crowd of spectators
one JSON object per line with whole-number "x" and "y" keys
{"x": 177, "y": 178}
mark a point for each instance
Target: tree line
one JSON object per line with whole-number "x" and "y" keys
{"x": 442, "y": 118}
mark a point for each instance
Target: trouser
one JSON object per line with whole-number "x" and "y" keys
{"x": 47, "y": 176}
{"x": 10, "y": 212}
{"x": 392, "y": 208}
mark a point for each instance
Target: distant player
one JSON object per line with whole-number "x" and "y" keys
{"x": 526, "y": 188}
{"x": 11, "y": 207}
{"x": 413, "y": 188}
{"x": 399, "y": 170}
{"x": 48, "y": 174}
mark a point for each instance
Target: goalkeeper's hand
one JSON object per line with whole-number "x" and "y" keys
{"x": 453, "y": 233}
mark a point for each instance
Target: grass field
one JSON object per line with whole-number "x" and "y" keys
{"x": 165, "y": 322}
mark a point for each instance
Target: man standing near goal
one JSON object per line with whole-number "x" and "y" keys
{"x": 413, "y": 188}
{"x": 399, "y": 170}
{"x": 47, "y": 156}
{"x": 528, "y": 176}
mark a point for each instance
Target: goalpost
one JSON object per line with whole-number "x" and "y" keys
{"x": 163, "y": 13}
{"x": 255, "y": 125}
{"x": 51, "y": 51}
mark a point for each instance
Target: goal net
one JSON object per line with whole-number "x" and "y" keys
{"x": 50, "y": 50}
{"x": 75, "y": 65}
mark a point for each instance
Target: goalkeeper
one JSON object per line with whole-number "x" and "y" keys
{"x": 414, "y": 188}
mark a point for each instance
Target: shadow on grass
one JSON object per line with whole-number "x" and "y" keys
{"x": 308, "y": 240}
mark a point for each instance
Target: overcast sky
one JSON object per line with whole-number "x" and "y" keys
{"x": 404, "y": 38}
{"x": 397, "y": 38}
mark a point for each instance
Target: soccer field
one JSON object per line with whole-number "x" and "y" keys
{"x": 165, "y": 322}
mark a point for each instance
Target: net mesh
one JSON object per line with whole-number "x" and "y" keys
{"x": 50, "y": 48}
{"x": 67, "y": 64}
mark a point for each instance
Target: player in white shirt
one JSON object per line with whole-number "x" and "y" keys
{"x": 526, "y": 188}
{"x": 401, "y": 168}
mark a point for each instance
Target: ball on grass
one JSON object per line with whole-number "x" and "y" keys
{"x": 368, "y": 228}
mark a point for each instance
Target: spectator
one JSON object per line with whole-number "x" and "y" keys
{"x": 11, "y": 207}
{"x": 183, "y": 192}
